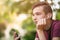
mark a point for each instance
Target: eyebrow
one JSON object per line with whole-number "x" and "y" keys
{"x": 37, "y": 13}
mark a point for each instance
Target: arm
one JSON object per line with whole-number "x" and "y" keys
{"x": 56, "y": 38}
{"x": 41, "y": 35}
{"x": 56, "y": 32}
{"x": 16, "y": 36}
{"x": 40, "y": 28}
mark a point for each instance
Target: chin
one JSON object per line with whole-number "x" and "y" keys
{"x": 41, "y": 27}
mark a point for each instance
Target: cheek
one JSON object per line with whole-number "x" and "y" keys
{"x": 40, "y": 16}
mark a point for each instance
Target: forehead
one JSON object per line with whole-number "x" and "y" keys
{"x": 38, "y": 9}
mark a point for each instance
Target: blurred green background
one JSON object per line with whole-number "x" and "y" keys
{"x": 16, "y": 15}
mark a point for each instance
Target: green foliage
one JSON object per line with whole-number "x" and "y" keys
{"x": 1, "y": 34}
{"x": 58, "y": 14}
{"x": 13, "y": 30}
{"x": 2, "y": 28}
{"x": 22, "y": 6}
{"x": 28, "y": 24}
{"x": 29, "y": 36}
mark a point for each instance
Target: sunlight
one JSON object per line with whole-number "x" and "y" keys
{"x": 41, "y": 0}
{"x": 21, "y": 17}
{"x": 16, "y": 25}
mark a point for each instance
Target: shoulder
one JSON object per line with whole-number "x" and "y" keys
{"x": 56, "y": 23}
{"x": 56, "y": 29}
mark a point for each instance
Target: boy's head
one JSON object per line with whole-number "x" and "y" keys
{"x": 45, "y": 5}
{"x": 41, "y": 10}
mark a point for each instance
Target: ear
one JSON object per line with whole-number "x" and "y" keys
{"x": 49, "y": 15}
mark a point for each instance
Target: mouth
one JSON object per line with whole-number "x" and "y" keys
{"x": 36, "y": 22}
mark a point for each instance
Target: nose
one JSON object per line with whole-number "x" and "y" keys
{"x": 35, "y": 18}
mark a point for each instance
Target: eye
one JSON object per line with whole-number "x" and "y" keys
{"x": 38, "y": 13}
{"x": 32, "y": 14}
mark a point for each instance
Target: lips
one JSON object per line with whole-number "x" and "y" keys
{"x": 36, "y": 22}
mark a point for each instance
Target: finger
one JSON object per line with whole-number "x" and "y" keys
{"x": 44, "y": 21}
{"x": 40, "y": 22}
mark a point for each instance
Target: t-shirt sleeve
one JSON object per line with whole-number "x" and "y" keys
{"x": 36, "y": 38}
{"x": 56, "y": 30}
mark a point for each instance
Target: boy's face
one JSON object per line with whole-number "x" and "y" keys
{"x": 38, "y": 14}
{"x": 41, "y": 18}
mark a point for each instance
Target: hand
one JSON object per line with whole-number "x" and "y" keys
{"x": 41, "y": 24}
{"x": 16, "y": 36}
